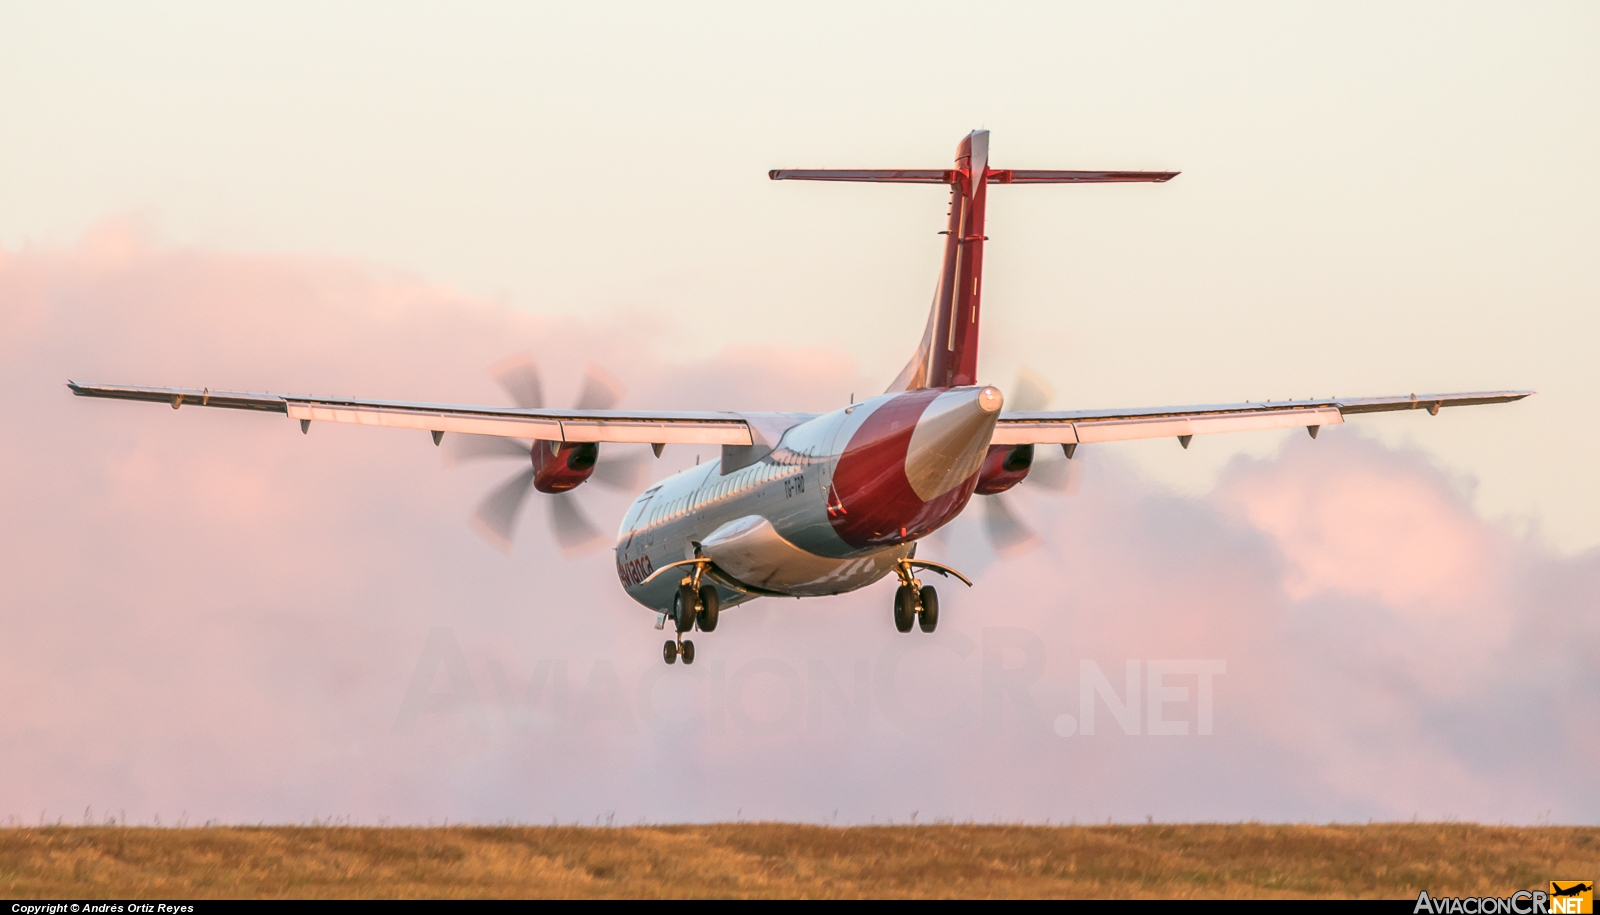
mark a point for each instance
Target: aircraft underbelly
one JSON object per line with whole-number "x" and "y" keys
{"x": 752, "y": 552}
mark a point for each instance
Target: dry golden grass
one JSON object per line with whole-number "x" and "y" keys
{"x": 785, "y": 860}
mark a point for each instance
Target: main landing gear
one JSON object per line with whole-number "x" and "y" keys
{"x": 915, "y": 602}
{"x": 919, "y": 604}
{"x": 694, "y": 605}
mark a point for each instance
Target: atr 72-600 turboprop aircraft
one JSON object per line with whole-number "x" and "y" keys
{"x": 802, "y": 505}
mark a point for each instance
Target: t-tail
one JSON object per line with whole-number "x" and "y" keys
{"x": 948, "y": 354}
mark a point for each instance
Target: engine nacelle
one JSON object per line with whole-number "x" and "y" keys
{"x": 564, "y": 467}
{"x": 1003, "y": 467}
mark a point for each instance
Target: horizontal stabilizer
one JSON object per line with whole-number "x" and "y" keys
{"x": 1039, "y": 176}
{"x": 947, "y": 176}
{"x": 892, "y": 176}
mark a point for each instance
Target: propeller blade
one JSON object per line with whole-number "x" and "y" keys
{"x": 601, "y": 391}
{"x": 460, "y": 448}
{"x": 574, "y": 532}
{"x": 496, "y": 517}
{"x": 1056, "y": 473}
{"x": 624, "y": 473}
{"x": 1008, "y": 535}
{"x": 1032, "y": 392}
{"x": 519, "y": 376}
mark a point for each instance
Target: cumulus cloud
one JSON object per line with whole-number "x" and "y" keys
{"x": 209, "y": 615}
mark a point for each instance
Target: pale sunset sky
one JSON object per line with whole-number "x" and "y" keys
{"x": 213, "y": 614}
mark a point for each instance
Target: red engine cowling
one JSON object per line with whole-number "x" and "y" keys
{"x": 563, "y": 468}
{"x": 1004, "y": 467}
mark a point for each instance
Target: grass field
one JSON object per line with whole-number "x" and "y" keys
{"x": 785, "y": 860}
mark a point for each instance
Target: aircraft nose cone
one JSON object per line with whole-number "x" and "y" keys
{"x": 990, "y": 400}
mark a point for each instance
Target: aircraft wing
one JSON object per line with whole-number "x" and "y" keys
{"x": 1071, "y": 427}
{"x": 512, "y": 422}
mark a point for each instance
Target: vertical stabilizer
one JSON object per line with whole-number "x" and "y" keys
{"x": 948, "y": 354}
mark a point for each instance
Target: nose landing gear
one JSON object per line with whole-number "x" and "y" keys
{"x": 685, "y": 607}
{"x": 672, "y": 649}
{"x": 916, "y": 602}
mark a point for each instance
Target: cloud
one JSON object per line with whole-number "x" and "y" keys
{"x": 210, "y": 615}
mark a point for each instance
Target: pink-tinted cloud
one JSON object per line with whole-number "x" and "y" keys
{"x": 207, "y": 613}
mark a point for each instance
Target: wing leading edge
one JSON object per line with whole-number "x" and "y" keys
{"x": 513, "y": 422}
{"x": 1072, "y": 427}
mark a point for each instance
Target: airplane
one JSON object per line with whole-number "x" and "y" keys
{"x": 808, "y": 505}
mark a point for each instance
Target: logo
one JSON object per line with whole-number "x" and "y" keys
{"x": 1571, "y": 897}
{"x": 1566, "y": 897}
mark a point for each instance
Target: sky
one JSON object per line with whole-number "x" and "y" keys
{"x": 211, "y": 616}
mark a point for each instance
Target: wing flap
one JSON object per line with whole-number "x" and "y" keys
{"x": 1067, "y": 432}
{"x": 393, "y": 417}
{"x": 666, "y": 429}
{"x": 1087, "y": 426}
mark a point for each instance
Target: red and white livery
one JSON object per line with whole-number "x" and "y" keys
{"x": 803, "y": 505}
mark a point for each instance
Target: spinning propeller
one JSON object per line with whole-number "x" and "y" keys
{"x": 1050, "y": 469}
{"x": 553, "y": 467}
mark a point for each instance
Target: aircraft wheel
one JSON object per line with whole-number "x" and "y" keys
{"x": 669, "y": 652}
{"x": 683, "y": 608}
{"x": 929, "y": 617}
{"x": 709, "y": 604}
{"x": 905, "y": 607}
{"x": 688, "y": 652}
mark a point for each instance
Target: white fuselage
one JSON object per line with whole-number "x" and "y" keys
{"x": 779, "y": 526}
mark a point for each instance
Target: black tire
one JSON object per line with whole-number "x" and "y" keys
{"x": 928, "y": 618}
{"x": 669, "y": 652}
{"x": 688, "y": 652}
{"x": 683, "y": 607}
{"x": 709, "y": 605}
{"x": 905, "y": 607}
